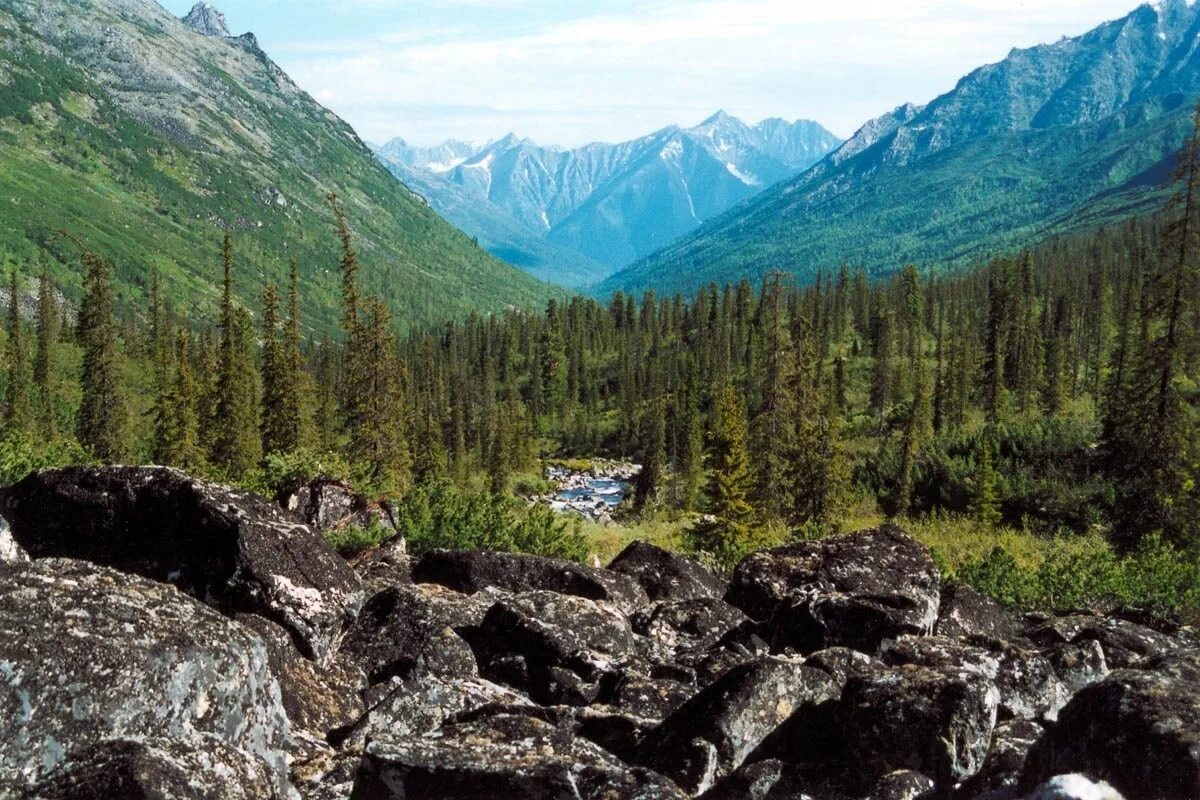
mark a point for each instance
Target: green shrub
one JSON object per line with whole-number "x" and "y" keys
{"x": 352, "y": 540}
{"x": 21, "y": 454}
{"x": 284, "y": 469}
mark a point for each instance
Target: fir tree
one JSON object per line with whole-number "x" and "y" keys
{"x": 102, "y": 420}
{"x": 177, "y": 433}
{"x": 17, "y": 414}
{"x": 237, "y": 446}
{"x": 731, "y": 483}
{"x": 43, "y": 361}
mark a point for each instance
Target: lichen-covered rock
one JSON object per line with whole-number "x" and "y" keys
{"x": 414, "y": 628}
{"x": 711, "y": 734}
{"x": 555, "y": 647}
{"x": 697, "y": 623}
{"x": 903, "y": 784}
{"x": 384, "y": 567}
{"x": 329, "y": 504}
{"x": 936, "y": 722}
{"x": 855, "y": 590}
{"x": 420, "y": 704}
{"x": 199, "y": 768}
{"x": 1139, "y": 731}
{"x": 842, "y": 664}
{"x": 228, "y": 548}
{"x": 471, "y": 571}
{"x": 665, "y": 575}
{"x": 1125, "y": 644}
{"x": 965, "y": 612}
{"x": 643, "y": 696}
{"x": 1011, "y": 742}
{"x": 501, "y": 754}
{"x": 89, "y": 654}
{"x": 1077, "y": 665}
{"x": 1184, "y": 665}
{"x": 10, "y": 551}
{"x": 1074, "y": 787}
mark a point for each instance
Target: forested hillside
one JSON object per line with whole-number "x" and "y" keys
{"x": 146, "y": 138}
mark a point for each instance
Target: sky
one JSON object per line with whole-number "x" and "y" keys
{"x": 568, "y": 72}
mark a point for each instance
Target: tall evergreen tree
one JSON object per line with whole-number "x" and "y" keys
{"x": 237, "y": 445}
{"x": 17, "y": 414}
{"x": 177, "y": 432}
{"x": 101, "y": 424}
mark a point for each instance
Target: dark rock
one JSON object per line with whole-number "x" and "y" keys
{"x": 407, "y": 629}
{"x": 842, "y": 664}
{"x": 618, "y": 732}
{"x": 554, "y": 647}
{"x": 694, "y": 624}
{"x": 229, "y": 548}
{"x": 89, "y": 654}
{"x": 666, "y": 575}
{"x": 501, "y": 755}
{"x": 855, "y": 590}
{"x": 1139, "y": 731}
{"x": 199, "y": 769}
{"x": 1125, "y": 644}
{"x": 965, "y": 612}
{"x": 471, "y": 571}
{"x": 1078, "y": 665}
{"x": 329, "y": 776}
{"x": 1182, "y": 665}
{"x": 421, "y": 704}
{"x": 643, "y": 696}
{"x": 317, "y": 698}
{"x": 1011, "y": 742}
{"x": 935, "y": 722}
{"x": 1027, "y": 683}
{"x": 711, "y": 734}
{"x": 328, "y": 504}
{"x": 755, "y": 781}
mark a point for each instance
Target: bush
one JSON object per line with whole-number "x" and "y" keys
{"x": 285, "y": 469}
{"x": 20, "y": 455}
{"x": 440, "y": 516}
{"x": 352, "y": 540}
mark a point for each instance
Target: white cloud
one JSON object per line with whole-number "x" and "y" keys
{"x": 615, "y": 74}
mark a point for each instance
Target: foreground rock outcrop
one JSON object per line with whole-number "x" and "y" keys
{"x": 203, "y": 643}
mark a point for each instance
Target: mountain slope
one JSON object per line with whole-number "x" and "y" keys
{"x": 144, "y": 137}
{"x": 1053, "y": 139}
{"x": 608, "y": 203}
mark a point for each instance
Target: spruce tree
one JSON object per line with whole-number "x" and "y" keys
{"x": 102, "y": 421}
{"x": 278, "y": 431}
{"x": 378, "y": 435}
{"x": 177, "y": 433}
{"x": 17, "y": 415}
{"x": 728, "y": 537}
{"x": 237, "y": 445}
{"x": 43, "y": 361}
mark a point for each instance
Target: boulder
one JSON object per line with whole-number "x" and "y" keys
{"x": 420, "y": 704}
{"x": 1125, "y": 644}
{"x": 329, "y": 504}
{"x": 228, "y": 548}
{"x": 501, "y": 754}
{"x": 711, "y": 735}
{"x": 756, "y": 781}
{"x": 1077, "y": 665}
{"x": 472, "y": 571}
{"x": 1011, "y": 742}
{"x": 965, "y": 612}
{"x": 855, "y": 590}
{"x": 89, "y": 654}
{"x": 1139, "y": 731}
{"x": 1074, "y": 787}
{"x": 643, "y": 696}
{"x": 694, "y": 624}
{"x": 413, "y": 628}
{"x": 1184, "y": 665}
{"x": 554, "y": 647}
{"x": 936, "y": 722}
{"x": 10, "y": 551}
{"x": 842, "y": 664}
{"x": 665, "y": 575}
{"x": 384, "y": 567}
{"x": 903, "y": 784}
{"x": 197, "y": 769}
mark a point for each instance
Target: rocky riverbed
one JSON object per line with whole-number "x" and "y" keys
{"x": 595, "y": 492}
{"x": 162, "y": 636}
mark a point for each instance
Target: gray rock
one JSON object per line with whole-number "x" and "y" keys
{"x": 471, "y": 571}
{"x": 206, "y": 20}
{"x": 89, "y": 654}
{"x": 1074, "y": 787}
{"x": 855, "y": 590}
{"x": 842, "y": 664}
{"x": 413, "y": 628}
{"x": 1139, "y": 731}
{"x": 713, "y": 733}
{"x": 666, "y": 575}
{"x": 695, "y": 624}
{"x": 936, "y": 722}
{"x": 643, "y": 696}
{"x": 1078, "y": 665}
{"x": 965, "y": 612}
{"x": 228, "y": 548}
{"x": 328, "y": 504}
{"x": 1125, "y": 644}
{"x": 501, "y": 754}
{"x": 384, "y": 567}
{"x": 903, "y": 784}
{"x": 10, "y": 551}
{"x": 419, "y": 705}
{"x": 1011, "y": 742}
{"x": 199, "y": 768}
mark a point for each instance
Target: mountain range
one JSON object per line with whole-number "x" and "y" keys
{"x": 145, "y": 137}
{"x": 575, "y": 216}
{"x": 1053, "y": 139}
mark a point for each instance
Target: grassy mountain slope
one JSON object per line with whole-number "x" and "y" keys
{"x": 1054, "y": 139}
{"x": 144, "y": 138}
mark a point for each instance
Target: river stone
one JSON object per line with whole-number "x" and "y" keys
{"x": 502, "y": 754}
{"x": 711, "y": 735}
{"x": 414, "y": 628}
{"x": 694, "y": 623}
{"x": 1139, "y": 731}
{"x": 936, "y": 722}
{"x": 89, "y": 654}
{"x": 226, "y": 547}
{"x": 198, "y": 769}
{"x": 965, "y": 612}
{"x": 855, "y": 590}
{"x": 666, "y": 575}
{"x": 554, "y": 647}
{"x": 471, "y": 571}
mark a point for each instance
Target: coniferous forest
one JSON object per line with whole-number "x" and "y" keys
{"x": 1036, "y": 415}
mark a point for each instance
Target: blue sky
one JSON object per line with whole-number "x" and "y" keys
{"x": 567, "y": 73}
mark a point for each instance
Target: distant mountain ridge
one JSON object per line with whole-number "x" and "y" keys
{"x": 147, "y": 136}
{"x": 583, "y": 213}
{"x": 1054, "y": 138}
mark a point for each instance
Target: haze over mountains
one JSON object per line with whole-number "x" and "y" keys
{"x": 1055, "y": 138}
{"x": 146, "y": 137}
{"x": 575, "y": 216}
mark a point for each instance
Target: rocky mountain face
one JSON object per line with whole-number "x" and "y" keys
{"x": 146, "y": 137}
{"x": 264, "y": 666}
{"x": 1055, "y": 138}
{"x": 607, "y": 203}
